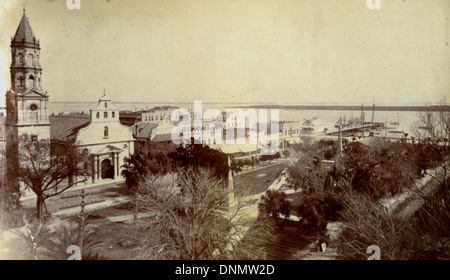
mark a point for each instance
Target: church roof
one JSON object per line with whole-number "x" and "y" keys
{"x": 63, "y": 127}
{"x": 24, "y": 33}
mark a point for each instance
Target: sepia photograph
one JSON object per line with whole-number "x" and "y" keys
{"x": 225, "y": 130}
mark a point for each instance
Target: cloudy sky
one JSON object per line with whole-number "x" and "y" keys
{"x": 262, "y": 51}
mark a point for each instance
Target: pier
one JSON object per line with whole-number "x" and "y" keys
{"x": 357, "y": 128}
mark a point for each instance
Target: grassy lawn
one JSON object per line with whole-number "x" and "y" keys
{"x": 55, "y": 204}
{"x": 258, "y": 181}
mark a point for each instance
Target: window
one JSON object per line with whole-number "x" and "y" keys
{"x": 21, "y": 60}
{"x": 105, "y": 115}
{"x": 113, "y": 115}
{"x": 21, "y": 81}
{"x": 33, "y": 107}
{"x": 31, "y": 77}
{"x": 98, "y": 115}
{"x": 106, "y": 132}
{"x": 106, "y": 105}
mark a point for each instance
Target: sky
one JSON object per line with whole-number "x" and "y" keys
{"x": 238, "y": 51}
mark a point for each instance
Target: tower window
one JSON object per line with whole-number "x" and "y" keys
{"x": 21, "y": 81}
{"x": 31, "y": 77}
{"x": 32, "y": 59}
{"x": 106, "y": 105}
{"x": 105, "y": 115}
{"x": 106, "y": 132}
{"x": 21, "y": 60}
{"x": 98, "y": 115}
{"x": 33, "y": 107}
{"x": 113, "y": 115}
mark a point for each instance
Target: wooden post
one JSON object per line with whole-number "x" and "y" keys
{"x": 230, "y": 184}
{"x": 83, "y": 215}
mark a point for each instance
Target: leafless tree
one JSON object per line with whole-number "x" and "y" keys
{"x": 48, "y": 170}
{"x": 197, "y": 219}
{"x": 365, "y": 222}
{"x": 434, "y": 123}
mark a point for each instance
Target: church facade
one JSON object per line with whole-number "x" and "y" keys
{"x": 107, "y": 141}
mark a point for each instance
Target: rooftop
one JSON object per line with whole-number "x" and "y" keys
{"x": 24, "y": 33}
{"x": 63, "y": 127}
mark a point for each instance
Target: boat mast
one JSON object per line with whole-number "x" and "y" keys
{"x": 373, "y": 110}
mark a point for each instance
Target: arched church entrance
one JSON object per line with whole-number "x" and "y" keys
{"x": 107, "y": 169}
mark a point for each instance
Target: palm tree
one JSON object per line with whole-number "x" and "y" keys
{"x": 273, "y": 203}
{"x": 134, "y": 170}
{"x": 68, "y": 235}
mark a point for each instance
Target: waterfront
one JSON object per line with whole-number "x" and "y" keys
{"x": 327, "y": 118}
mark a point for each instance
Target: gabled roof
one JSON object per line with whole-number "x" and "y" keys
{"x": 33, "y": 93}
{"x": 144, "y": 129}
{"x": 105, "y": 150}
{"x": 308, "y": 123}
{"x": 24, "y": 33}
{"x": 63, "y": 127}
{"x": 101, "y": 103}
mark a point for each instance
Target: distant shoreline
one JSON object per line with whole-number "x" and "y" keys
{"x": 395, "y": 108}
{"x": 434, "y": 108}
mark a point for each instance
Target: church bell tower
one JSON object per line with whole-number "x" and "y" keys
{"x": 26, "y": 101}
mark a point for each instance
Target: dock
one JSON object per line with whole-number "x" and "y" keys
{"x": 357, "y": 128}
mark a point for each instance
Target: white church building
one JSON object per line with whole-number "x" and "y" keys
{"x": 100, "y": 134}
{"x": 107, "y": 141}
